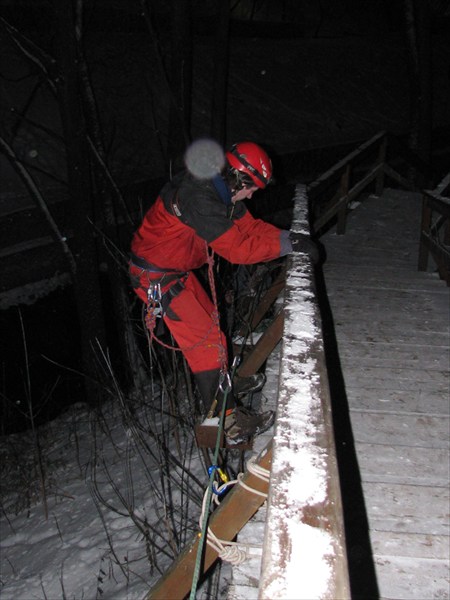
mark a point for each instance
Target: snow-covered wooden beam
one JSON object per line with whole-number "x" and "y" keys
{"x": 304, "y": 553}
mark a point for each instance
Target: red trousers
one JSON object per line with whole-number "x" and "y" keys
{"x": 191, "y": 323}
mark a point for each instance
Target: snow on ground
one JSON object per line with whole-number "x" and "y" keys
{"x": 107, "y": 484}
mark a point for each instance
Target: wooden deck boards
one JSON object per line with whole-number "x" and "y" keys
{"x": 392, "y": 331}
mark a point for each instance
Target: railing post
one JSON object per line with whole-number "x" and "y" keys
{"x": 343, "y": 191}
{"x": 424, "y": 230}
{"x": 379, "y": 185}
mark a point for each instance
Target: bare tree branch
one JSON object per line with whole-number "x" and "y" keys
{"x": 36, "y": 194}
{"x": 35, "y": 55}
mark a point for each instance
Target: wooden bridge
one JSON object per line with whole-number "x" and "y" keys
{"x": 359, "y": 490}
{"x": 391, "y": 378}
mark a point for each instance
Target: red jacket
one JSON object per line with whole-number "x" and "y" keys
{"x": 190, "y": 214}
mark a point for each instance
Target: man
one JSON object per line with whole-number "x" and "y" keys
{"x": 192, "y": 217}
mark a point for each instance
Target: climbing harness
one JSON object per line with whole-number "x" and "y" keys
{"x": 154, "y": 306}
{"x": 157, "y": 300}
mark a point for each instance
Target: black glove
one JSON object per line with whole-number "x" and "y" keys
{"x": 303, "y": 243}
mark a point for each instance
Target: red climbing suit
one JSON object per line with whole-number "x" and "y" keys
{"x": 188, "y": 216}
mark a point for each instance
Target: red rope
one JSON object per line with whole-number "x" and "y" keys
{"x": 215, "y": 315}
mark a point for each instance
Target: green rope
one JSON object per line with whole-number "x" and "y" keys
{"x": 203, "y": 534}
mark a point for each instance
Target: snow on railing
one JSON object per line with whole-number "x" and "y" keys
{"x": 304, "y": 549}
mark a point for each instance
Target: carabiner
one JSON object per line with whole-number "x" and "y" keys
{"x": 223, "y": 476}
{"x": 224, "y": 382}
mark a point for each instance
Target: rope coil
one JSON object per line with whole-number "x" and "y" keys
{"x": 234, "y": 552}
{"x": 257, "y": 471}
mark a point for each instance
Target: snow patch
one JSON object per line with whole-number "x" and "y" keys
{"x": 305, "y": 577}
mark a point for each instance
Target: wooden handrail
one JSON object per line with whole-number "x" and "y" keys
{"x": 340, "y": 204}
{"x": 335, "y": 172}
{"x": 304, "y": 552}
{"x": 332, "y": 192}
{"x": 304, "y": 424}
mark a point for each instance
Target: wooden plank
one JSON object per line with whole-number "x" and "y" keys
{"x": 317, "y": 186}
{"x": 263, "y": 347}
{"x": 422, "y": 261}
{"x": 385, "y": 350}
{"x": 440, "y": 255}
{"x": 226, "y": 521}
{"x": 266, "y": 302}
{"x": 27, "y": 245}
{"x": 351, "y": 258}
{"x": 417, "y": 310}
{"x": 412, "y": 579}
{"x": 342, "y": 202}
{"x": 336, "y": 273}
{"x": 395, "y": 298}
{"x": 416, "y": 545}
{"x": 371, "y": 258}
{"x": 398, "y": 379}
{"x": 393, "y": 293}
{"x": 403, "y": 465}
{"x": 410, "y": 327}
{"x": 346, "y": 280}
{"x": 406, "y": 430}
{"x": 397, "y": 177}
{"x": 382, "y": 332}
{"x": 351, "y": 293}
{"x": 363, "y": 354}
{"x": 420, "y": 310}
{"x": 343, "y": 191}
{"x": 407, "y": 508}
{"x": 397, "y": 401}
{"x": 438, "y": 202}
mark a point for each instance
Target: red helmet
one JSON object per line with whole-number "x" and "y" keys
{"x": 252, "y": 160}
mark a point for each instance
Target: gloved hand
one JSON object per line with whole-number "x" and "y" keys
{"x": 303, "y": 243}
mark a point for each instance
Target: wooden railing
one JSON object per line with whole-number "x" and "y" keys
{"x": 435, "y": 229}
{"x": 304, "y": 552}
{"x": 331, "y": 194}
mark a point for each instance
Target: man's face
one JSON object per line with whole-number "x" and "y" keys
{"x": 244, "y": 193}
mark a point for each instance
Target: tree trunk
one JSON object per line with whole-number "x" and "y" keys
{"x": 220, "y": 78}
{"x": 180, "y": 81}
{"x": 80, "y": 202}
{"x": 418, "y": 34}
{"x": 114, "y": 250}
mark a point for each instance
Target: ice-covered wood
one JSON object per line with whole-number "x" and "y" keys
{"x": 304, "y": 550}
{"x": 392, "y": 329}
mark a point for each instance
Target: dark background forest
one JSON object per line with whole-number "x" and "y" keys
{"x": 99, "y": 101}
